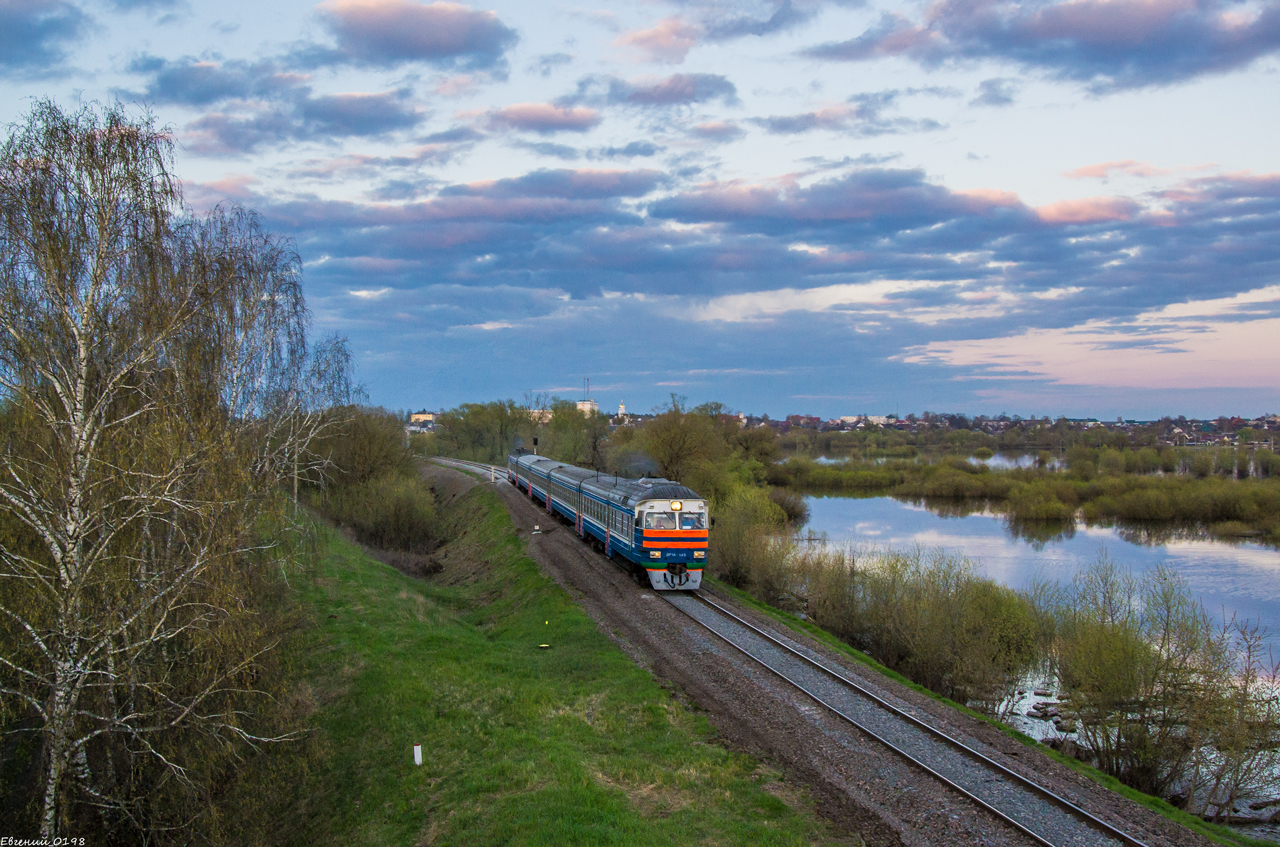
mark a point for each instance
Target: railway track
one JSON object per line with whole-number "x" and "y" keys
{"x": 1037, "y": 812}
{"x": 493, "y": 471}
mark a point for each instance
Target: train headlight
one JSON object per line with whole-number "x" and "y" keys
{"x": 699, "y": 554}
{"x": 655, "y": 554}
{"x": 676, "y": 505}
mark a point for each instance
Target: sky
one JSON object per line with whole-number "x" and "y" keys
{"x": 828, "y": 207}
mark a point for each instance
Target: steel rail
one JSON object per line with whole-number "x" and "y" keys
{"x": 494, "y": 469}
{"x": 1035, "y": 788}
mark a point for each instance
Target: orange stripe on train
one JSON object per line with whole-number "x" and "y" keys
{"x": 675, "y": 533}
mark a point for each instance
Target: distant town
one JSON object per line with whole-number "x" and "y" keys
{"x": 1179, "y": 431}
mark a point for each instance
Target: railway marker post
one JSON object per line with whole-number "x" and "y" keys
{"x": 417, "y": 754}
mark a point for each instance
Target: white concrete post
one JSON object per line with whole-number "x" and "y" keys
{"x": 417, "y": 754}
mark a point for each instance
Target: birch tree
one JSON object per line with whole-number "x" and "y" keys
{"x": 156, "y": 388}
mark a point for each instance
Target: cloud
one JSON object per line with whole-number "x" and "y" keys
{"x": 677, "y": 89}
{"x": 370, "y": 294}
{"x": 1107, "y": 44}
{"x": 548, "y": 62}
{"x": 889, "y": 197}
{"x": 1089, "y": 210}
{"x": 995, "y": 92}
{"x": 627, "y": 151}
{"x": 149, "y": 5}
{"x": 757, "y": 306}
{"x": 718, "y": 131}
{"x": 543, "y": 118}
{"x": 564, "y": 152}
{"x": 862, "y": 115}
{"x": 255, "y": 105}
{"x": 549, "y": 148}
{"x": 1187, "y": 345}
{"x": 202, "y": 82}
{"x": 389, "y": 33}
{"x": 670, "y": 40}
{"x": 653, "y": 92}
{"x": 363, "y": 166}
{"x": 786, "y": 14}
{"x": 579, "y": 184}
{"x": 303, "y": 118}
{"x": 35, "y": 34}
{"x": 1103, "y": 170}
{"x": 667, "y": 42}
{"x": 358, "y": 114}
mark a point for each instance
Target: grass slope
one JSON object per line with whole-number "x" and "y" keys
{"x": 572, "y": 744}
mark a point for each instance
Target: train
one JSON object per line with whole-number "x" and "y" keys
{"x": 659, "y": 528}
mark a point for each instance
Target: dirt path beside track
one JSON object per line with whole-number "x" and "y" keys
{"x": 865, "y": 790}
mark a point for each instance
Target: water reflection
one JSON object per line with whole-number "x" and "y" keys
{"x": 1237, "y": 577}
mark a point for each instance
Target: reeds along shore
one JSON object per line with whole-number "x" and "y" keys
{"x": 1228, "y": 492}
{"x": 1159, "y": 694}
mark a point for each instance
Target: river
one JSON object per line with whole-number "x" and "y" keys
{"x": 1227, "y": 577}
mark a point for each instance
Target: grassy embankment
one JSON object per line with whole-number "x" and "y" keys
{"x": 572, "y": 744}
{"x": 1222, "y": 505}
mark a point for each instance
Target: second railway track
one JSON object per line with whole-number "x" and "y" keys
{"x": 1038, "y": 813}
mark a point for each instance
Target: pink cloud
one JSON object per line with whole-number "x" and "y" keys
{"x": 668, "y": 42}
{"x": 203, "y": 196}
{"x": 545, "y": 117}
{"x": 718, "y": 130}
{"x": 1114, "y": 23}
{"x": 983, "y": 199}
{"x": 1087, "y": 211}
{"x": 457, "y": 86}
{"x": 389, "y": 31}
{"x": 1102, "y": 170}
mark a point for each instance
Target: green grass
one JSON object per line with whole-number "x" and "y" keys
{"x": 573, "y": 744}
{"x": 1216, "y": 833}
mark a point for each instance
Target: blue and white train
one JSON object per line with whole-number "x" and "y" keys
{"x": 657, "y": 526}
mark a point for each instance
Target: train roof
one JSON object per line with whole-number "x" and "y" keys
{"x": 619, "y": 489}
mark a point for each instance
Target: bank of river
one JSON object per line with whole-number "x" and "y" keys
{"x": 1232, "y": 578}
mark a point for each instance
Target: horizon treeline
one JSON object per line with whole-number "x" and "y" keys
{"x": 1094, "y": 476}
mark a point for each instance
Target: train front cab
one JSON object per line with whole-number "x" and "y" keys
{"x": 671, "y": 542}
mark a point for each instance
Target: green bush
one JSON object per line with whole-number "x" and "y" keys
{"x": 367, "y": 443}
{"x": 792, "y": 504}
{"x": 394, "y": 512}
{"x": 737, "y": 551}
{"x": 1145, "y": 505}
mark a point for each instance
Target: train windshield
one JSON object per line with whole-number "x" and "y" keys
{"x": 659, "y": 520}
{"x": 675, "y": 520}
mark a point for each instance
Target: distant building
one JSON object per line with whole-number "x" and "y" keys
{"x": 589, "y": 407}
{"x": 423, "y": 417}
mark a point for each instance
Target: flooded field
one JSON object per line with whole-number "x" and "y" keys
{"x": 1240, "y": 578}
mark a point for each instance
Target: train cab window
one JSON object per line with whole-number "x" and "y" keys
{"x": 693, "y": 520}
{"x": 660, "y": 520}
